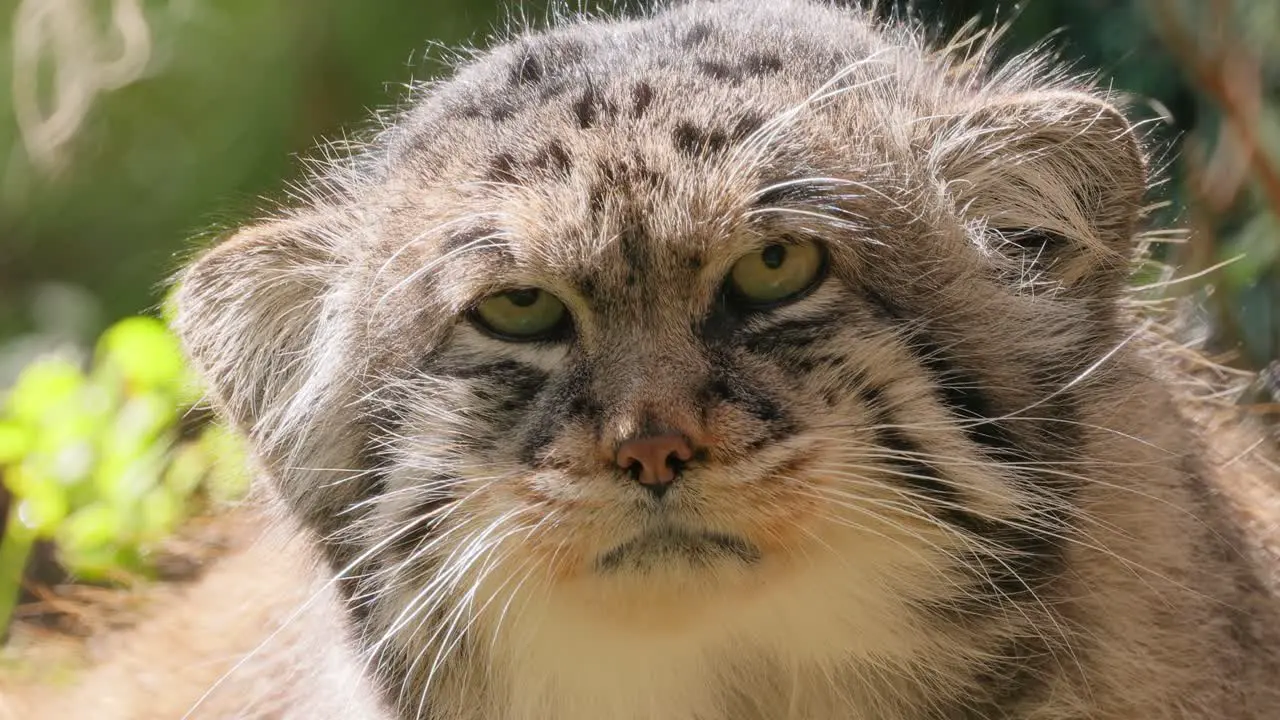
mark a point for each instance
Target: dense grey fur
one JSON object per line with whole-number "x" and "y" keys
{"x": 952, "y": 481}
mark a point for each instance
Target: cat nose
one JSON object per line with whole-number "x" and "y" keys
{"x": 655, "y": 460}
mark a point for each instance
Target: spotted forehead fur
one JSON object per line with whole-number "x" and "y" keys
{"x": 571, "y": 157}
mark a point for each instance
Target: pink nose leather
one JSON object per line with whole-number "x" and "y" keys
{"x": 657, "y": 456}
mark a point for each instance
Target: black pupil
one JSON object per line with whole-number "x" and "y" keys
{"x": 523, "y": 298}
{"x": 773, "y": 256}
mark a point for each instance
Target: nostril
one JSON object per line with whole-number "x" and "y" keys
{"x": 675, "y": 462}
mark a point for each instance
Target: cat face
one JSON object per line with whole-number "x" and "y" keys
{"x": 614, "y": 324}
{"x": 732, "y": 333}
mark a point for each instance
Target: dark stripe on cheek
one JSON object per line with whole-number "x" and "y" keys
{"x": 925, "y": 480}
{"x": 516, "y": 377}
{"x": 963, "y": 395}
{"x": 1026, "y": 554}
{"x": 729, "y": 387}
{"x": 1012, "y": 679}
{"x": 1022, "y": 556}
{"x": 1059, "y": 430}
{"x": 435, "y": 492}
{"x": 1027, "y": 557}
{"x": 789, "y": 334}
{"x": 567, "y": 399}
{"x": 506, "y": 391}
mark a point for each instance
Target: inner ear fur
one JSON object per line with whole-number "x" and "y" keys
{"x": 1063, "y": 170}
{"x": 251, "y": 313}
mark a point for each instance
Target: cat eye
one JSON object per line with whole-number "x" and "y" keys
{"x": 522, "y": 314}
{"x": 777, "y": 272}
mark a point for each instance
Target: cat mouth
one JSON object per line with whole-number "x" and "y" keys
{"x": 669, "y": 544}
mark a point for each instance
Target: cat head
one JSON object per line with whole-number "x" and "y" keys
{"x": 729, "y": 302}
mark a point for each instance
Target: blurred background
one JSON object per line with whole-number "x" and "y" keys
{"x": 133, "y": 130}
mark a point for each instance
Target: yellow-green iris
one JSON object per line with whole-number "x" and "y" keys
{"x": 524, "y": 314}
{"x": 777, "y": 272}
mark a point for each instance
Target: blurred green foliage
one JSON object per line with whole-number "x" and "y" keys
{"x": 94, "y": 445}
{"x": 99, "y": 461}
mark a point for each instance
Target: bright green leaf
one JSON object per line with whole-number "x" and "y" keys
{"x": 98, "y": 563}
{"x": 144, "y": 351}
{"x": 160, "y": 512}
{"x": 92, "y": 527}
{"x": 187, "y": 467}
{"x": 15, "y": 442}
{"x": 139, "y": 422}
{"x": 123, "y": 482}
{"x": 43, "y": 387}
{"x": 42, "y": 507}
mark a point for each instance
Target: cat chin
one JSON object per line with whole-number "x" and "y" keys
{"x": 675, "y": 548}
{"x": 669, "y": 584}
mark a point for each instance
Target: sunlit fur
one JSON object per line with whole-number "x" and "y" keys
{"x": 949, "y": 482}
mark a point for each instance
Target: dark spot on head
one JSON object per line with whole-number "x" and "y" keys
{"x": 696, "y": 35}
{"x": 694, "y": 141}
{"x": 590, "y": 106}
{"x": 471, "y": 111}
{"x": 527, "y": 70}
{"x": 631, "y": 171}
{"x": 762, "y": 64}
{"x": 608, "y": 174}
{"x": 641, "y": 97}
{"x": 587, "y": 285}
{"x": 554, "y": 157}
{"x": 502, "y": 110}
{"x": 502, "y": 169}
{"x": 632, "y": 242}
{"x": 596, "y": 198}
{"x": 717, "y": 70}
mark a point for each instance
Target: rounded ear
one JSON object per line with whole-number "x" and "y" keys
{"x": 250, "y": 312}
{"x": 266, "y": 319}
{"x": 1060, "y": 175}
